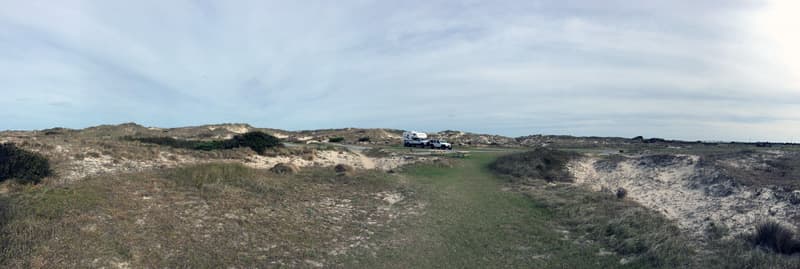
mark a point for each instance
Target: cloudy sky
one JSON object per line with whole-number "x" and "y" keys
{"x": 713, "y": 70}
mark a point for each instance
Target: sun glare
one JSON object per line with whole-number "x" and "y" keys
{"x": 777, "y": 24}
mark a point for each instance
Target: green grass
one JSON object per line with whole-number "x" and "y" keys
{"x": 471, "y": 223}
{"x": 644, "y": 237}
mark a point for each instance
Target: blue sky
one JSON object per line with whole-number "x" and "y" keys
{"x": 714, "y": 70}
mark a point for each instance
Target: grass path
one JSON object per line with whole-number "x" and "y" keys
{"x": 471, "y": 223}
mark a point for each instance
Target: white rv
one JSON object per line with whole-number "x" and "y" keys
{"x": 415, "y": 139}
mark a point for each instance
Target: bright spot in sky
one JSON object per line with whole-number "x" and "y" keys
{"x": 778, "y": 26}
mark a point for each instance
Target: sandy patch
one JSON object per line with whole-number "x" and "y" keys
{"x": 332, "y": 158}
{"x": 673, "y": 190}
{"x": 238, "y": 129}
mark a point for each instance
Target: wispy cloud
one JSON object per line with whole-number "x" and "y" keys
{"x": 657, "y": 68}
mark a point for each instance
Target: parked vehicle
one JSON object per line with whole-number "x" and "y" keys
{"x": 415, "y": 139}
{"x": 439, "y": 144}
{"x": 420, "y": 140}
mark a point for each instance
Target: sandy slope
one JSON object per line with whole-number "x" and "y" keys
{"x": 688, "y": 193}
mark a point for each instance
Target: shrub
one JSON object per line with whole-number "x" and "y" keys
{"x": 775, "y": 237}
{"x": 257, "y": 141}
{"x": 343, "y": 169}
{"x": 621, "y": 193}
{"x": 23, "y": 165}
{"x": 336, "y": 139}
{"x": 541, "y": 163}
{"x": 654, "y": 140}
{"x": 167, "y": 141}
{"x": 284, "y": 168}
{"x": 363, "y": 139}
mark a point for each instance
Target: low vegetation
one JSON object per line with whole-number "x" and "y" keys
{"x": 377, "y": 152}
{"x": 541, "y": 163}
{"x": 781, "y": 171}
{"x": 344, "y": 170}
{"x": 474, "y": 220}
{"x": 336, "y": 139}
{"x": 643, "y": 238}
{"x": 257, "y": 141}
{"x": 34, "y": 219}
{"x": 775, "y": 237}
{"x": 216, "y": 215}
{"x": 621, "y": 193}
{"x": 22, "y": 165}
{"x": 646, "y": 239}
{"x": 284, "y": 168}
{"x": 488, "y": 210}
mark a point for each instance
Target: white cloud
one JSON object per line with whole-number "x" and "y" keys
{"x": 659, "y": 68}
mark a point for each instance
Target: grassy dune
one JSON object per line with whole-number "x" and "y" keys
{"x": 453, "y": 214}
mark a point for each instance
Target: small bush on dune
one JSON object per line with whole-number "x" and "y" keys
{"x": 23, "y": 165}
{"x": 621, "y": 193}
{"x": 775, "y": 237}
{"x": 336, "y": 139}
{"x": 344, "y": 170}
{"x": 284, "y": 168}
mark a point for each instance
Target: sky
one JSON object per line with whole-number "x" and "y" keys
{"x": 693, "y": 70}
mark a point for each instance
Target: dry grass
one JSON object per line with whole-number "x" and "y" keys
{"x": 760, "y": 168}
{"x": 775, "y": 237}
{"x": 75, "y": 154}
{"x": 645, "y": 238}
{"x": 204, "y": 216}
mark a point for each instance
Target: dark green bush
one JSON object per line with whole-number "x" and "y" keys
{"x": 363, "y": 139}
{"x": 22, "y": 165}
{"x": 257, "y": 141}
{"x": 336, "y": 139}
{"x": 541, "y": 163}
{"x": 169, "y": 141}
{"x": 209, "y": 145}
{"x": 621, "y": 193}
{"x": 775, "y": 237}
